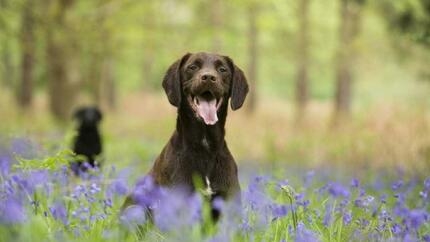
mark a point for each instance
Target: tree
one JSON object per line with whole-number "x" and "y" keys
{"x": 350, "y": 19}
{"x": 8, "y": 73}
{"x": 25, "y": 89}
{"x": 252, "y": 54}
{"x": 63, "y": 75}
{"x": 302, "y": 78}
{"x": 409, "y": 17}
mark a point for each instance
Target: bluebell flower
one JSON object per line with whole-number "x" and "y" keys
{"x": 363, "y": 202}
{"x": 355, "y": 183}
{"x": 427, "y": 184}
{"x": 305, "y": 235}
{"x": 94, "y": 188}
{"x": 383, "y": 198}
{"x": 337, "y": 190}
{"x": 410, "y": 238}
{"x": 12, "y": 211}
{"x": 397, "y": 185}
{"x": 396, "y": 229}
{"x": 133, "y": 216}
{"x": 401, "y": 210}
{"x": 279, "y": 211}
{"x": 59, "y": 212}
{"x": 416, "y": 218}
{"x": 218, "y": 203}
{"x": 176, "y": 209}
{"x": 119, "y": 187}
{"x": 328, "y": 215}
{"x": 5, "y": 164}
{"x": 307, "y": 180}
{"x": 384, "y": 215}
{"x": 147, "y": 193}
{"x": 347, "y": 218}
{"x": 24, "y": 147}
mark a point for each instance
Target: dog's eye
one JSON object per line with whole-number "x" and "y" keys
{"x": 193, "y": 67}
{"x": 222, "y": 69}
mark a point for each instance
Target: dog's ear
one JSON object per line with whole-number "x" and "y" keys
{"x": 172, "y": 81}
{"x": 99, "y": 115}
{"x": 239, "y": 85}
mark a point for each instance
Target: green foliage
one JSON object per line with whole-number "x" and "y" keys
{"x": 60, "y": 159}
{"x": 410, "y": 17}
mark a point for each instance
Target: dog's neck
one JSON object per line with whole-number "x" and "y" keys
{"x": 194, "y": 134}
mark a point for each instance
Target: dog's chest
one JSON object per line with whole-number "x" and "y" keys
{"x": 205, "y": 142}
{"x": 208, "y": 190}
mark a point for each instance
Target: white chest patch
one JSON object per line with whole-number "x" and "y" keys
{"x": 205, "y": 143}
{"x": 208, "y": 191}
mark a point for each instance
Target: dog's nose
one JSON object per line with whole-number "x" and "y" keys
{"x": 208, "y": 77}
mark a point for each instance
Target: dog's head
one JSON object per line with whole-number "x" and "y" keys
{"x": 88, "y": 116}
{"x": 205, "y": 81}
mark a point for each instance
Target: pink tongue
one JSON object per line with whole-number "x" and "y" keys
{"x": 207, "y": 110}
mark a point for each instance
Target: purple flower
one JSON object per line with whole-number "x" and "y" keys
{"x": 337, "y": 190}
{"x": 355, "y": 183}
{"x": 305, "y": 235}
{"x": 308, "y": 178}
{"x": 5, "y": 163}
{"x": 427, "y": 184}
{"x": 396, "y": 229}
{"x": 12, "y": 211}
{"x": 279, "y": 211}
{"x": 347, "y": 217}
{"x": 397, "y": 185}
{"x": 283, "y": 182}
{"x": 401, "y": 211}
{"x": 147, "y": 193}
{"x": 384, "y": 215}
{"x": 119, "y": 187}
{"x": 133, "y": 216}
{"x": 255, "y": 198}
{"x": 59, "y": 212}
{"x": 94, "y": 188}
{"x": 383, "y": 198}
{"x": 410, "y": 238}
{"x": 176, "y": 209}
{"x": 363, "y": 202}
{"x": 24, "y": 148}
{"x": 218, "y": 204}
{"x": 416, "y": 218}
{"x": 328, "y": 215}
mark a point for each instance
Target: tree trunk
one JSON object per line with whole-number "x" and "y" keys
{"x": 8, "y": 72}
{"x": 350, "y": 12}
{"x": 62, "y": 65}
{"x": 302, "y": 82}
{"x": 25, "y": 89}
{"x": 149, "y": 46}
{"x": 253, "y": 56}
{"x": 108, "y": 77}
{"x": 216, "y": 22}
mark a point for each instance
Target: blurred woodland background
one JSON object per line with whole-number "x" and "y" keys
{"x": 339, "y": 81}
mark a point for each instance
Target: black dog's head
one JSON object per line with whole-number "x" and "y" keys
{"x": 88, "y": 116}
{"x": 205, "y": 81}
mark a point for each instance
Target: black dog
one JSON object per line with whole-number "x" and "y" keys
{"x": 88, "y": 142}
{"x": 200, "y": 85}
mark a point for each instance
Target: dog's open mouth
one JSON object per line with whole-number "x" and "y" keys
{"x": 206, "y": 106}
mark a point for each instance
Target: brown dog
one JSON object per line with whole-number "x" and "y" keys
{"x": 200, "y": 85}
